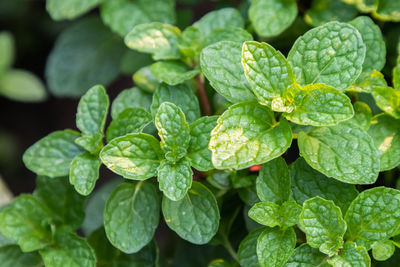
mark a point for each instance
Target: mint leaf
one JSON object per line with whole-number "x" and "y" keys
{"x": 122, "y": 15}
{"x": 266, "y": 69}
{"x": 70, "y": 250}
{"x": 373, "y": 216}
{"x": 385, "y": 131}
{"x": 332, "y": 54}
{"x": 7, "y": 53}
{"x": 191, "y": 45}
{"x": 132, "y": 61}
{"x": 383, "y": 250}
{"x": 70, "y": 9}
{"x": 321, "y": 220}
{"x": 322, "y": 12}
{"x": 247, "y": 253}
{"x": 198, "y": 152}
{"x": 271, "y": 17}
{"x": 274, "y": 246}
{"x": 172, "y": 72}
{"x": 160, "y": 40}
{"x": 351, "y": 255}
{"x": 219, "y": 19}
{"x": 12, "y": 256}
{"x": 131, "y": 216}
{"x": 92, "y": 143}
{"x": 234, "y": 34}
{"x": 130, "y": 98}
{"x": 273, "y": 181}
{"x": 194, "y": 218}
{"x": 52, "y": 155}
{"x": 86, "y": 53}
{"x": 65, "y": 204}
{"x": 220, "y": 63}
{"x": 146, "y": 80}
{"x": 290, "y": 212}
{"x": 319, "y": 105}
{"x": 133, "y": 156}
{"x": 388, "y": 99}
{"x": 27, "y": 221}
{"x": 173, "y": 130}
{"x": 388, "y": 10}
{"x": 307, "y": 183}
{"x": 181, "y": 95}
{"x": 306, "y": 256}
{"x": 131, "y": 120}
{"x": 175, "y": 179}
{"x": 367, "y": 82}
{"x": 362, "y": 115}
{"x": 84, "y": 173}
{"x": 266, "y": 213}
{"x": 247, "y": 134}
{"x": 344, "y": 152}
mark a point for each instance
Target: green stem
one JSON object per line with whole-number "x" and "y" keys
{"x": 230, "y": 249}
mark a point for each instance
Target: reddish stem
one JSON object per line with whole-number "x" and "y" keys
{"x": 205, "y": 105}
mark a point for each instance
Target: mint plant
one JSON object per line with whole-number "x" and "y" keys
{"x": 262, "y": 156}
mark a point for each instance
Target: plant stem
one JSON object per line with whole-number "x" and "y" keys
{"x": 230, "y": 249}
{"x": 205, "y": 105}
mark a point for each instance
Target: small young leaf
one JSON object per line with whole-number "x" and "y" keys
{"x": 71, "y": 9}
{"x": 194, "y": 218}
{"x": 385, "y": 131}
{"x": 200, "y": 134}
{"x": 267, "y": 70}
{"x": 130, "y": 98}
{"x": 324, "y": 11}
{"x": 131, "y": 216}
{"x": 172, "y": 72}
{"x": 388, "y": 99}
{"x": 133, "y": 156}
{"x": 247, "y": 253}
{"x": 306, "y": 256}
{"x": 273, "y": 181}
{"x": 7, "y": 53}
{"x": 321, "y": 220}
{"x": 12, "y": 256}
{"x": 351, "y": 255}
{"x": 220, "y": 63}
{"x": 160, "y": 40}
{"x": 175, "y": 179}
{"x": 27, "y": 221}
{"x": 344, "y": 152}
{"x": 373, "y": 216}
{"x": 84, "y": 172}
{"x": 247, "y": 134}
{"x": 271, "y": 17}
{"x": 91, "y": 143}
{"x": 274, "y": 246}
{"x": 367, "y": 82}
{"x": 383, "y": 250}
{"x": 332, "y": 54}
{"x": 362, "y": 115}
{"x": 266, "y": 213}
{"x": 52, "y": 155}
{"x": 234, "y": 34}
{"x": 146, "y": 80}
{"x": 290, "y": 212}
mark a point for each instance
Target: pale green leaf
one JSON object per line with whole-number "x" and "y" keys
{"x": 351, "y": 255}
{"x": 323, "y": 11}
{"x": 362, "y": 115}
{"x": 306, "y": 256}
{"x": 247, "y": 253}
{"x": 130, "y": 98}
{"x": 146, "y": 80}
{"x": 92, "y": 143}
{"x": 172, "y": 72}
{"x": 266, "y": 213}
{"x": 290, "y": 212}
{"x": 234, "y": 34}
{"x": 383, "y": 250}
{"x": 84, "y": 173}
{"x": 367, "y": 82}
{"x": 71, "y": 9}
{"x": 388, "y": 99}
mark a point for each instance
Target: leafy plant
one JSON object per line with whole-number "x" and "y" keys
{"x": 233, "y": 180}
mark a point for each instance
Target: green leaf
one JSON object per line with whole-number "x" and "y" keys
{"x": 194, "y": 218}
{"x": 220, "y": 63}
{"x": 92, "y": 111}
{"x": 65, "y": 204}
{"x": 332, "y": 54}
{"x": 266, "y": 213}
{"x": 71, "y": 9}
{"x": 86, "y": 53}
{"x": 385, "y": 132}
{"x": 266, "y": 69}
{"x": 351, "y": 255}
{"x": 324, "y": 11}
{"x": 321, "y": 220}
{"x": 367, "y": 82}
{"x": 247, "y": 134}
{"x": 131, "y": 216}
{"x": 133, "y": 156}
{"x": 181, "y": 95}
{"x": 274, "y": 246}
{"x": 92, "y": 143}
{"x": 200, "y": 134}
{"x": 249, "y": 195}
{"x": 247, "y": 253}
{"x": 7, "y": 51}
{"x": 146, "y": 80}
{"x": 383, "y": 250}
{"x": 131, "y": 120}
{"x": 290, "y": 212}
{"x": 388, "y": 10}
{"x": 160, "y": 40}
{"x": 307, "y": 183}
{"x": 21, "y": 85}
{"x": 173, "y": 130}
{"x": 273, "y": 182}
{"x": 84, "y": 173}
{"x": 219, "y": 19}
{"x": 271, "y": 17}
{"x": 375, "y": 55}
{"x": 70, "y": 250}
{"x": 27, "y": 221}
{"x": 52, "y": 155}
{"x": 175, "y": 179}
{"x": 344, "y": 152}
{"x": 122, "y": 15}
{"x": 362, "y": 115}
{"x": 12, "y": 256}
{"x": 373, "y": 216}
{"x": 388, "y": 99}
{"x": 132, "y": 61}
{"x": 130, "y": 98}
{"x": 306, "y": 256}
{"x": 172, "y": 72}
{"x": 234, "y": 34}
